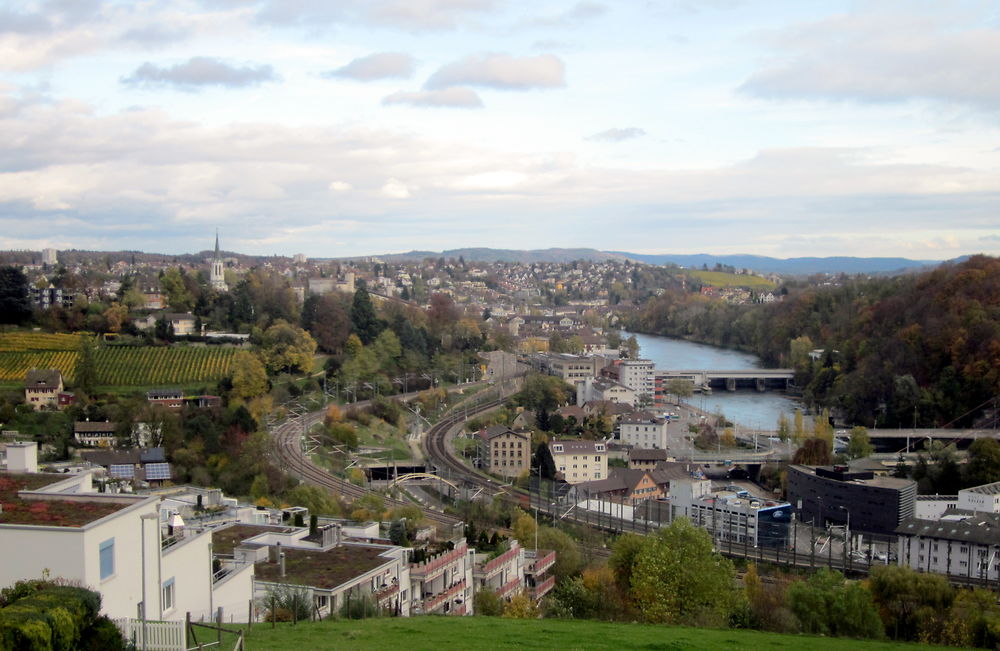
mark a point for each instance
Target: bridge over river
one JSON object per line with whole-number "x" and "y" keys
{"x": 757, "y": 378}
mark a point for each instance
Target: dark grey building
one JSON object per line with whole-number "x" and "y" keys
{"x": 828, "y": 493}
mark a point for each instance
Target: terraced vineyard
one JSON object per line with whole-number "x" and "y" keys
{"x": 17, "y": 342}
{"x": 116, "y": 365}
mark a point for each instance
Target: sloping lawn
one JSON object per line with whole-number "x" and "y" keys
{"x": 479, "y": 633}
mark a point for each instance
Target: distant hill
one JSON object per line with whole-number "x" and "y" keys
{"x": 788, "y": 266}
{"x": 759, "y": 263}
{"x": 509, "y": 255}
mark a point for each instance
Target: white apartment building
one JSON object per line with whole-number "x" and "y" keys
{"x": 958, "y": 544}
{"x": 122, "y": 546}
{"x": 638, "y": 375}
{"x": 580, "y": 461}
{"x": 643, "y": 430}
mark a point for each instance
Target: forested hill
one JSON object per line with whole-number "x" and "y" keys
{"x": 924, "y": 346}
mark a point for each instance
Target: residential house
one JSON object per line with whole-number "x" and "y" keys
{"x": 646, "y": 459}
{"x": 579, "y": 461}
{"x": 42, "y": 388}
{"x": 147, "y": 465}
{"x": 624, "y": 485}
{"x": 503, "y": 451}
{"x": 94, "y": 434}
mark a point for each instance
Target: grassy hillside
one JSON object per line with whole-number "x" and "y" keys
{"x": 462, "y": 633}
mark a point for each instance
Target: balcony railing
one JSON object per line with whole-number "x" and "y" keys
{"x": 509, "y": 588}
{"x": 541, "y": 589}
{"x": 495, "y": 565}
{"x": 540, "y": 561}
{"x": 436, "y": 601}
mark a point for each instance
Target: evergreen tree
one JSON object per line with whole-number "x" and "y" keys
{"x": 15, "y": 305}
{"x": 85, "y": 378}
{"x": 366, "y": 323}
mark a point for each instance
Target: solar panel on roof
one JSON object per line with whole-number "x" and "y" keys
{"x": 122, "y": 470}
{"x": 157, "y": 471}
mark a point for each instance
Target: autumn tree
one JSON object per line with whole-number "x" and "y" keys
{"x": 860, "y": 444}
{"x": 679, "y": 579}
{"x": 285, "y": 347}
{"x": 814, "y": 452}
{"x": 249, "y": 376}
{"x": 328, "y": 320}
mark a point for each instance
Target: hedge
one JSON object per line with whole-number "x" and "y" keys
{"x": 55, "y": 618}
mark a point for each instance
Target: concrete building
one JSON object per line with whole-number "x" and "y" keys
{"x": 573, "y": 369}
{"x": 513, "y": 571}
{"x": 330, "y": 569}
{"x": 638, "y": 375}
{"x": 604, "y": 389}
{"x": 50, "y": 256}
{"x": 580, "y": 461}
{"x": 826, "y": 494}
{"x": 980, "y": 499}
{"x": 733, "y": 518}
{"x": 643, "y": 430}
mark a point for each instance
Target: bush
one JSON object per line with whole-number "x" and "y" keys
{"x": 359, "y": 607}
{"x": 285, "y": 604}
{"x": 53, "y": 617}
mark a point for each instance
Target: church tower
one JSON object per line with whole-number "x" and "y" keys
{"x": 216, "y": 276}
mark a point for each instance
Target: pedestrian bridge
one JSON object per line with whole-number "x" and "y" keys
{"x": 760, "y": 378}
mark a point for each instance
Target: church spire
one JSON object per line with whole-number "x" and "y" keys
{"x": 216, "y": 243}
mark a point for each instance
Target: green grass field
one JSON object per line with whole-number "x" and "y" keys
{"x": 723, "y": 279}
{"x": 463, "y": 633}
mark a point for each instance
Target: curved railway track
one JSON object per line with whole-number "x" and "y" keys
{"x": 287, "y": 436}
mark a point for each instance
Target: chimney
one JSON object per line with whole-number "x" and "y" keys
{"x": 281, "y": 557}
{"x": 22, "y": 457}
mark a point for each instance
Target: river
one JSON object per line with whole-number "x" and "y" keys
{"x": 745, "y": 407}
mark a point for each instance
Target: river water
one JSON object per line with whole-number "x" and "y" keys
{"x": 745, "y": 407}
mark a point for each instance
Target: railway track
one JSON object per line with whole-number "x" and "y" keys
{"x": 294, "y": 460}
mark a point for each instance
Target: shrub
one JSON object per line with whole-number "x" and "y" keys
{"x": 359, "y": 607}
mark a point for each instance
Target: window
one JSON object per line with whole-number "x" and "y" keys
{"x": 107, "y": 550}
{"x": 168, "y": 594}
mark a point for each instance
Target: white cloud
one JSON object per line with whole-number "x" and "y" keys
{"x": 339, "y": 186}
{"x": 502, "y": 72}
{"x": 447, "y": 97}
{"x": 883, "y": 57}
{"x": 383, "y": 65}
{"x": 618, "y": 134}
{"x": 198, "y": 72}
{"x": 395, "y": 189}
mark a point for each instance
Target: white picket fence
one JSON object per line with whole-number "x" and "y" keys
{"x": 160, "y": 636}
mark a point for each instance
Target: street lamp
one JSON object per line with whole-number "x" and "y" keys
{"x": 142, "y": 552}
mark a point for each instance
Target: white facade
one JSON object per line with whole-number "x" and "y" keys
{"x": 956, "y": 545}
{"x": 120, "y": 556}
{"x": 594, "y": 389}
{"x": 645, "y": 433}
{"x": 639, "y": 376}
{"x": 985, "y": 498}
{"x": 49, "y": 256}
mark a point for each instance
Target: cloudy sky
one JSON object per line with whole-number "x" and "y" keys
{"x": 352, "y": 127}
